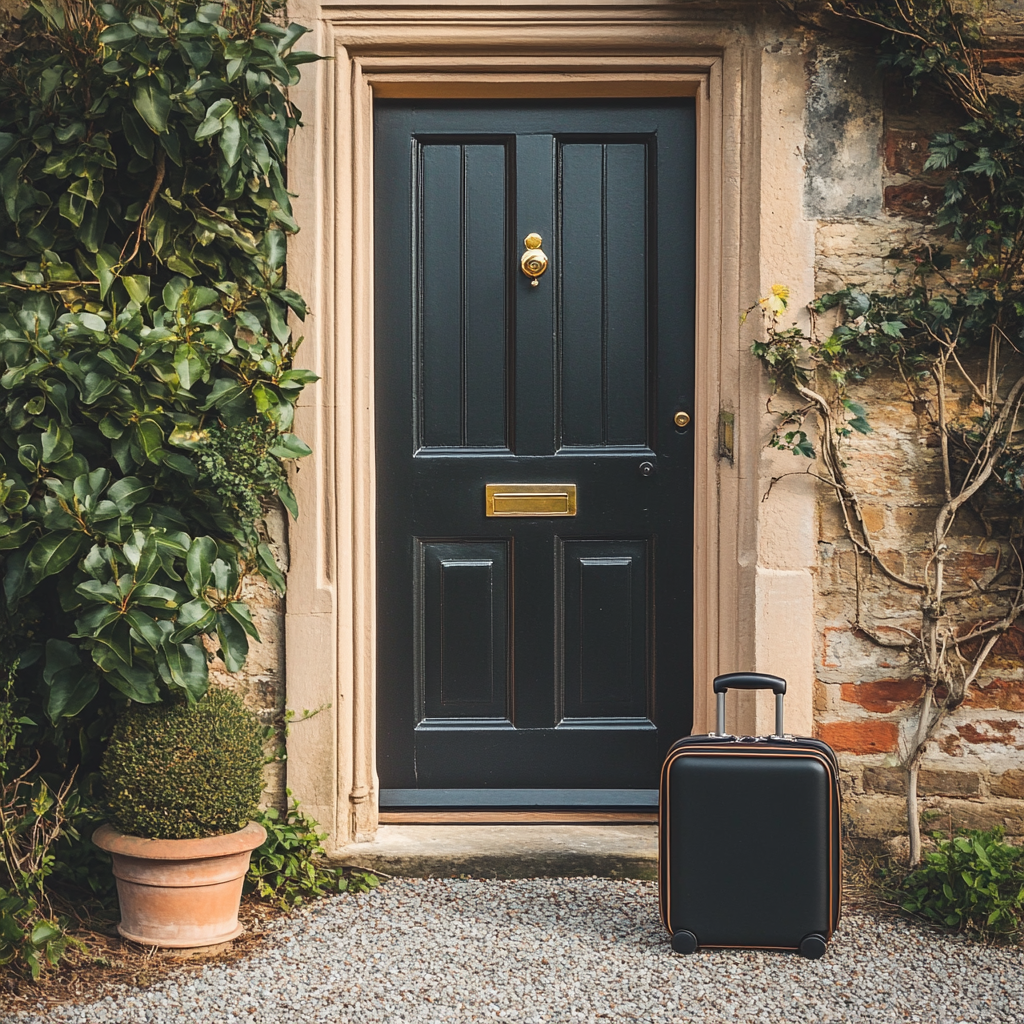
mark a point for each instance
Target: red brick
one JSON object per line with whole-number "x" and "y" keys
{"x": 1002, "y": 732}
{"x": 915, "y": 200}
{"x": 883, "y": 695}
{"x": 859, "y": 737}
{"x": 905, "y": 151}
{"x": 1007, "y": 694}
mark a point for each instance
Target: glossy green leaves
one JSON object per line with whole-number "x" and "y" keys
{"x": 147, "y": 377}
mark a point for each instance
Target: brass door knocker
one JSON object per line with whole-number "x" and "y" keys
{"x": 534, "y": 262}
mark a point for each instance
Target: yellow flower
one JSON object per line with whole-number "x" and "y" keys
{"x": 778, "y": 300}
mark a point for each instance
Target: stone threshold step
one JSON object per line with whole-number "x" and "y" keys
{"x": 507, "y": 851}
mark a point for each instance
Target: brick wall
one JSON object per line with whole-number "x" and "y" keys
{"x": 973, "y": 774}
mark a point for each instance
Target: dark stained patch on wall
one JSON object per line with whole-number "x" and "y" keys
{"x": 843, "y": 136}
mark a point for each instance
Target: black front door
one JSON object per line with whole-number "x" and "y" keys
{"x": 526, "y": 654}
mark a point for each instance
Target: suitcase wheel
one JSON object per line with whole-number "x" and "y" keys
{"x": 811, "y": 946}
{"x": 686, "y": 942}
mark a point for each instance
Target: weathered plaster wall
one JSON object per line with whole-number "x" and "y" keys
{"x": 866, "y": 192}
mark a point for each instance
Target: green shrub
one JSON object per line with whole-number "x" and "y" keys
{"x": 178, "y": 771}
{"x": 973, "y": 882}
{"x": 288, "y": 868}
{"x": 143, "y": 332}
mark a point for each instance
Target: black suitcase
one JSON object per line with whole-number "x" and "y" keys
{"x": 749, "y": 838}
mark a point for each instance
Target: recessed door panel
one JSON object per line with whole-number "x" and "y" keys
{"x": 534, "y": 499}
{"x": 460, "y": 293}
{"x": 605, "y": 621}
{"x": 606, "y": 217}
{"x": 462, "y": 605}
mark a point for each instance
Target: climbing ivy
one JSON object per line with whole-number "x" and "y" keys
{"x": 948, "y": 336}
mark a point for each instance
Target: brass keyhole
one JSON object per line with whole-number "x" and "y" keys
{"x": 681, "y": 419}
{"x": 533, "y": 261}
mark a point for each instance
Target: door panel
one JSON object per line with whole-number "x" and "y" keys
{"x": 604, "y": 211}
{"x": 605, "y": 621}
{"x": 463, "y": 332}
{"x": 463, "y": 621}
{"x": 533, "y": 653}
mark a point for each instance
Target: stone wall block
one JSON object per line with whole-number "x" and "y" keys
{"x": 1010, "y": 784}
{"x": 848, "y": 655}
{"x": 875, "y": 816}
{"x": 947, "y": 783}
{"x": 884, "y": 780}
{"x": 946, "y": 814}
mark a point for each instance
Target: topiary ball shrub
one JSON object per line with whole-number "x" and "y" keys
{"x": 179, "y": 771}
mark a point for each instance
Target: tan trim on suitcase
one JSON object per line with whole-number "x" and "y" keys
{"x": 834, "y": 807}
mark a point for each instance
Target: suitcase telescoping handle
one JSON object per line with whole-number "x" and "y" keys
{"x": 750, "y": 681}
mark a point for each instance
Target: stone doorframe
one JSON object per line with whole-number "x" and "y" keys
{"x": 573, "y": 50}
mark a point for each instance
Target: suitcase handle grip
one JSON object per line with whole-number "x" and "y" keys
{"x": 750, "y": 681}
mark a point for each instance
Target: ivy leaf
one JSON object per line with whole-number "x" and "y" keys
{"x": 288, "y": 499}
{"x": 859, "y": 420}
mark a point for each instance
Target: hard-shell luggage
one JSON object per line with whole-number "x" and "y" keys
{"x": 749, "y": 836}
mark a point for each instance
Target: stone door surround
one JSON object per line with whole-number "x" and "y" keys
{"x": 501, "y": 51}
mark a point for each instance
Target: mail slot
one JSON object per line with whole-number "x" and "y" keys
{"x": 530, "y": 499}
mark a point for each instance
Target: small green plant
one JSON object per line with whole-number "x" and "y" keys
{"x": 288, "y": 868}
{"x": 32, "y": 819}
{"x": 180, "y": 771}
{"x": 973, "y": 882}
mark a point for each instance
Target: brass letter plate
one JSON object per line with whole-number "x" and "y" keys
{"x": 530, "y": 499}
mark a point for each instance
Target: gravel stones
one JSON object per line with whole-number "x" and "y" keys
{"x": 564, "y": 951}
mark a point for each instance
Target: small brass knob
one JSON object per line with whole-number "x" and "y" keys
{"x": 681, "y": 419}
{"x": 533, "y": 261}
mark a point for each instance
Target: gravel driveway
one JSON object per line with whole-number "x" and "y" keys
{"x": 564, "y": 950}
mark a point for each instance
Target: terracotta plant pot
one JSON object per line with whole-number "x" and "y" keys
{"x": 180, "y": 893}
